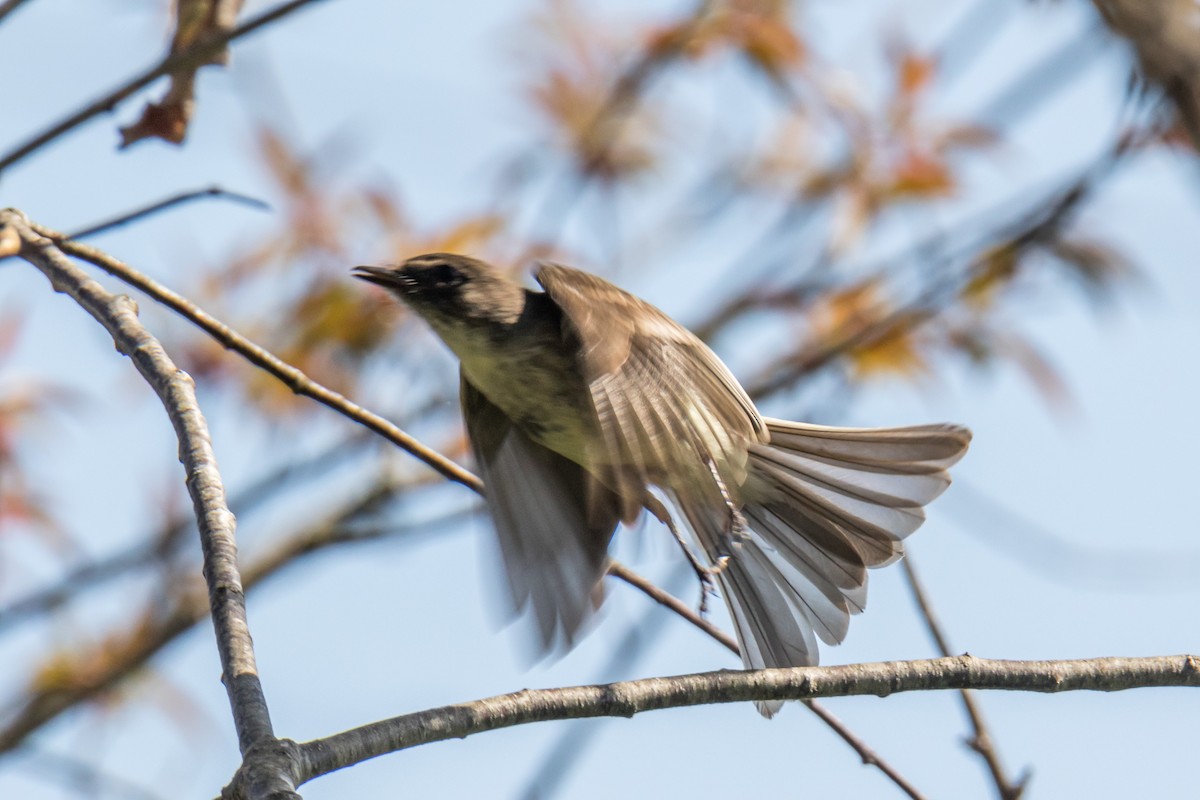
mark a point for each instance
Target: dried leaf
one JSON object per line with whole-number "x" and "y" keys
{"x": 914, "y": 73}
{"x": 919, "y": 176}
{"x": 168, "y": 118}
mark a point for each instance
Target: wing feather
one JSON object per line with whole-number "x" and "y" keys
{"x": 553, "y": 520}
{"x": 663, "y": 398}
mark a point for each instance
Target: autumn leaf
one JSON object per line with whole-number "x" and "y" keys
{"x": 914, "y": 73}
{"x": 919, "y": 176}
{"x": 876, "y": 341}
{"x": 168, "y": 118}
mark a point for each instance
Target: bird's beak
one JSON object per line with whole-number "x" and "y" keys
{"x": 387, "y": 277}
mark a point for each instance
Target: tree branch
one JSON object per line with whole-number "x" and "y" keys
{"x": 627, "y": 698}
{"x": 865, "y": 752}
{"x": 215, "y": 192}
{"x": 262, "y": 358}
{"x": 176, "y": 390}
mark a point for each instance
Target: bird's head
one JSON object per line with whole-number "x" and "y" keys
{"x": 450, "y": 290}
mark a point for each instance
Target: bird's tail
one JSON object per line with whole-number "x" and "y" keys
{"x": 822, "y": 506}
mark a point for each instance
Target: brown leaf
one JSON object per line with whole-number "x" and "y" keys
{"x": 914, "y": 72}
{"x": 919, "y": 175}
{"x": 168, "y": 118}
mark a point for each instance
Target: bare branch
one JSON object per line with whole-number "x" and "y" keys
{"x": 865, "y": 752}
{"x": 625, "y": 699}
{"x": 162, "y": 205}
{"x": 291, "y": 376}
{"x": 670, "y": 601}
{"x": 174, "y": 614}
{"x": 176, "y": 390}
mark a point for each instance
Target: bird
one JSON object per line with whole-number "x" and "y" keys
{"x": 585, "y": 405}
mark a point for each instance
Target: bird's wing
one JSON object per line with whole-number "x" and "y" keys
{"x": 661, "y": 396}
{"x": 553, "y": 520}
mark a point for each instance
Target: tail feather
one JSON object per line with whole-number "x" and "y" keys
{"x": 823, "y": 505}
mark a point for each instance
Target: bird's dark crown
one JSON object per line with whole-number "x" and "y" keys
{"x": 448, "y": 284}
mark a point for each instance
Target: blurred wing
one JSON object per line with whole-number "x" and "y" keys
{"x": 553, "y": 520}
{"x": 662, "y": 397}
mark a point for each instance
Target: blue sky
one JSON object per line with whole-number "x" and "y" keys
{"x": 427, "y": 94}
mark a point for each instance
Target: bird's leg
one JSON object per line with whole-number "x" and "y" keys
{"x": 738, "y": 531}
{"x": 704, "y": 573}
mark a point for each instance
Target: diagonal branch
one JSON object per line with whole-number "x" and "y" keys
{"x": 162, "y": 205}
{"x": 176, "y": 390}
{"x": 290, "y": 376}
{"x": 625, "y": 699}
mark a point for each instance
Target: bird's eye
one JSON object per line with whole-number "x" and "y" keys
{"x": 444, "y": 276}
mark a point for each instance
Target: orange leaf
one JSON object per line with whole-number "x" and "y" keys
{"x": 914, "y": 73}
{"x": 918, "y": 175}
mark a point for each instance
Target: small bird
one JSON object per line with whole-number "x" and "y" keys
{"x": 579, "y": 399}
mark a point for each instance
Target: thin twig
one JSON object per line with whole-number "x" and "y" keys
{"x": 627, "y": 698}
{"x": 865, "y": 752}
{"x": 176, "y": 390}
{"x": 162, "y": 205}
{"x": 290, "y": 376}
{"x": 193, "y": 56}
{"x": 670, "y": 601}
{"x": 981, "y": 743}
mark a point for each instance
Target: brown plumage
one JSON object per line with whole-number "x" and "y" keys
{"x": 581, "y": 399}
